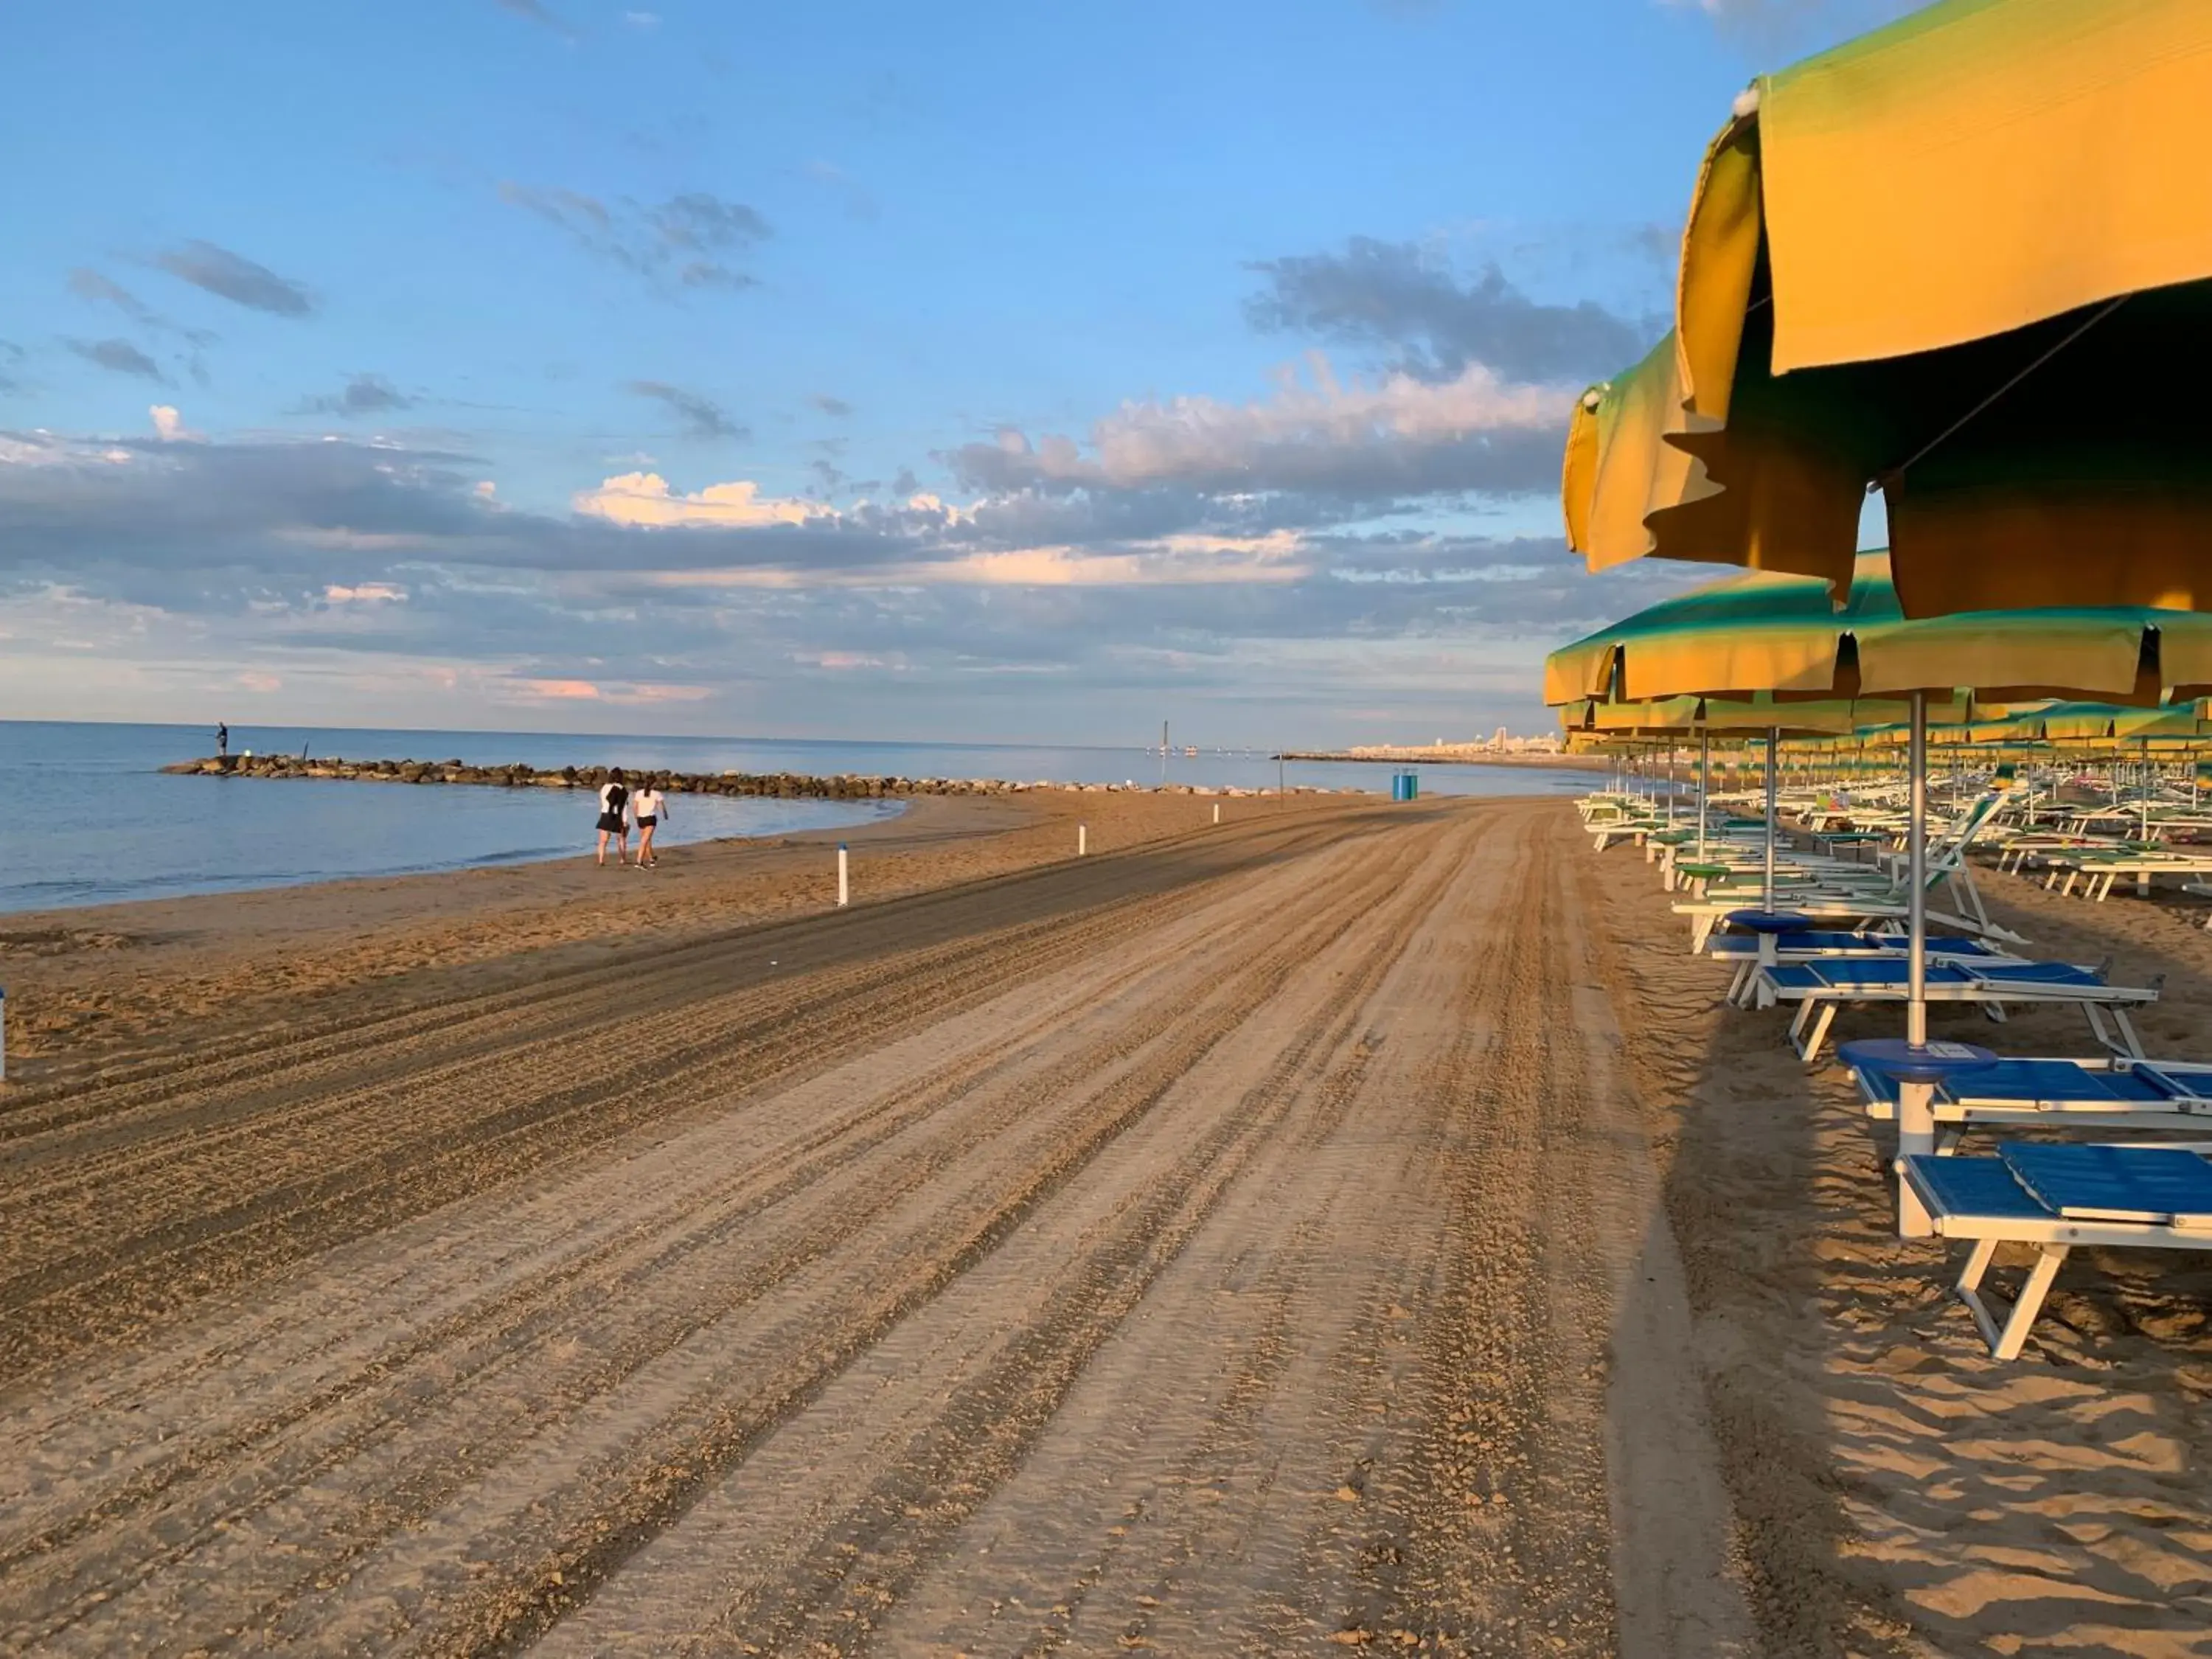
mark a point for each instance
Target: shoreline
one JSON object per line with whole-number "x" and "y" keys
{"x": 859, "y": 796}
{"x": 90, "y": 984}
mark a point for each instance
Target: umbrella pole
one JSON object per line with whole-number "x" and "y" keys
{"x": 1766, "y": 887}
{"x": 1916, "y": 1007}
{"x": 1916, "y": 1117}
{"x": 1704, "y": 786}
{"x": 2146, "y": 792}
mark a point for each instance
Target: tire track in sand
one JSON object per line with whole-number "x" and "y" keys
{"x": 967, "y": 1233}
{"x": 830, "y": 1525}
{"x": 309, "y": 1158}
{"x": 1166, "y": 1273}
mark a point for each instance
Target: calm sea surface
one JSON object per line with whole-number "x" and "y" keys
{"x": 95, "y": 820}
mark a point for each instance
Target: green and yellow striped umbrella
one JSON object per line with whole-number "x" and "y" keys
{"x": 1749, "y": 717}
{"x": 2109, "y": 723}
{"x": 2008, "y": 728}
{"x": 1765, "y": 633}
{"x": 1964, "y": 258}
{"x": 2178, "y": 722}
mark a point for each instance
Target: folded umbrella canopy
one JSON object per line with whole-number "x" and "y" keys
{"x": 2179, "y": 721}
{"x": 1763, "y": 632}
{"x": 2008, "y": 728}
{"x": 1752, "y": 716}
{"x": 1964, "y": 259}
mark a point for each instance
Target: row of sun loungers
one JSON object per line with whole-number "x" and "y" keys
{"x": 2097, "y": 870}
{"x": 2050, "y": 1197}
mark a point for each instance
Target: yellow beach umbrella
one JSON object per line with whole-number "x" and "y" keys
{"x": 1751, "y": 716}
{"x": 1964, "y": 259}
{"x": 1762, "y": 632}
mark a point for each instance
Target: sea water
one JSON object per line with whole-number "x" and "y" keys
{"x": 94, "y": 819}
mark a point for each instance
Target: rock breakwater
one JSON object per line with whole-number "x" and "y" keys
{"x": 787, "y": 785}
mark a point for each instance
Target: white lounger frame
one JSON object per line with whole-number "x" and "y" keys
{"x": 1816, "y": 1008}
{"x": 2004, "y": 1326}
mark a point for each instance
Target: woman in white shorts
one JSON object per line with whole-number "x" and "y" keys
{"x": 650, "y": 806}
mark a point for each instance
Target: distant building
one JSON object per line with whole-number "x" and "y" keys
{"x": 1501, "y": 741}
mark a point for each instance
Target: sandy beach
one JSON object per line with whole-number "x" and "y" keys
{"x": 1356, "y": 1225}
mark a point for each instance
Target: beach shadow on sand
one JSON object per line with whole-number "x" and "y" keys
{"x": 1891, "y": 1489}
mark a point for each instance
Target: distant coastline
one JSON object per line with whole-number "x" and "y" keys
{"x": 1443, "y": 754}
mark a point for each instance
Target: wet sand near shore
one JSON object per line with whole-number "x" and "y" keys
{"x": 90, "y": 987}
{"x": 1357, "y": 1225}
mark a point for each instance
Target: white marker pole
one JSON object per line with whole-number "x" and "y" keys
{"x": 1217, "y": 812}
{"x": 844, "y": 883}
{"x": 1082, "y": 839}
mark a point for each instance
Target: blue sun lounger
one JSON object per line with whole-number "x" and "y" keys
{"x": 2055, "y": 1198}
{"x": 2099, "y": 1095}
{"x": 1810, "y": 945}
{"x": 1818, "y": 988}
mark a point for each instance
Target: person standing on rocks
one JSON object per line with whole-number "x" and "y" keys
{"x": 222, "y": 739}
{"x": 649, "y": 807}
{"x": 614, "y": 799}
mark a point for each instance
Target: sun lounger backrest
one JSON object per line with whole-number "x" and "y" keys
{"x": 2158, "y": 1185}
{"x": 1978, "y": 1187}
{"x": 2175, "y": 1082}
{"x": 2051, "y": 1081}
{"x": 2036, "y": 973}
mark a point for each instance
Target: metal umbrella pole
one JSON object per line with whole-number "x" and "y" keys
{"x": 1704, "y": 787}
{"x": 1766, "y": 889}
{"x": 1916, "y": 1116}
{"x": 1915, "y": 1006}
{"x": 2146, "y": 790}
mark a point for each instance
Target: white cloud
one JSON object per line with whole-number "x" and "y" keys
{"x": 168, "y": 425}
{"x": 644, "y": 499}
{"x": 1400, "y": 433}
{"x": 1172, "y": 560}
{"x": 1145, "y": 443}
{"x": 1165, "y": 562}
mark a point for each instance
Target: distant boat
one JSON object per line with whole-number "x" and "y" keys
{"x": 1190, "y": 752}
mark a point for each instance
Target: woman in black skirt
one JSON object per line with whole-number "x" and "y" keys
{"x": 614, "y": 796}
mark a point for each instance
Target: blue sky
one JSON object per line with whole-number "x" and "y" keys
{"x": 1022, "y": 372}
